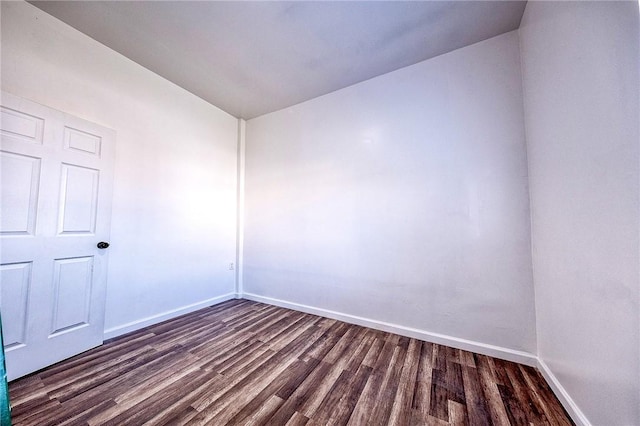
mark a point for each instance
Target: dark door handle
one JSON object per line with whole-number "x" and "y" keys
{"x": 103, "y": 245}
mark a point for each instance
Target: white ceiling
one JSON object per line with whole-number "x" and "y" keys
{"x": 251, "y": 58}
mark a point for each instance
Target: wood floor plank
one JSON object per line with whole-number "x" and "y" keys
{"x": 342, "y": 410}
{"x": 368, "y": 398}
{"x": 166, "y": 415}
{"x": 401, "y": 407}
{"x": 374, "y": 352}
{"x": 466, "y": 358}
{"x": 96, "y": 356}
{"x": 544, "y": 396}
{"x": 147, "y": 407}
{"x": 270, "y": 392}
{"x": 296, "y": 420}
{"x": 226, "y": 356}
{"x": 292, "y": 332}
{"x": 168, "y": 361}
{"x": 491, "y": 392}
{"x": 326, "y": 341}
{"x": 358, "y": 354}
{"x": 515, "y": 411}
{"x": 179, "y": 418}
{"x": 45, "y": 414}
{"x": 439, "y": 396}
{"x": 247, "y": 363}
{"x": 263, "y": 412}
{"x": 534, "y": 412}
{"x": 457, "y": 413}
{"x": 69, "y": 385}
{"x": 295, "y": 380}
{"x": 474, "y": 396}
{"x": 421, "y": 403}
{"x": 222, "y": 410}
{"x": 82, "y": 417}
{"x": 388, "y": 389}
{"x": 300, "y": 394}
{"x": 320, "y": 391}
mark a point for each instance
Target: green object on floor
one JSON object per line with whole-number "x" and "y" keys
{"x": 5, "y": 411}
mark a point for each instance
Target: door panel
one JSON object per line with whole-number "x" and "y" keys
{"x": 20, "y": 179}
{"x": 77, "y": 140}
{"x": 16, "y": 281}
{"x": 72, "y": 282}
{"x": 56, "y": 175}
{"x": 78, "y": 200}
{"x": 22, "y": 127}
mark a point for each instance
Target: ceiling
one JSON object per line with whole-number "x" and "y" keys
{"x": 251, "y": 58}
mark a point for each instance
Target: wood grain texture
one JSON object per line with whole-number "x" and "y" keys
{"x": 247, "y": 363}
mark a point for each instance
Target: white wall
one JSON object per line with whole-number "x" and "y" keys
{"x": 580, "y": 66}
{"x": 402, "y": 199}
{"x": 174, "y": 205}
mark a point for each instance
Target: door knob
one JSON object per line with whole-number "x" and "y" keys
{"x": 103, "y": 245}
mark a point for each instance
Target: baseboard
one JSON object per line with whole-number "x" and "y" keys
{"x": 565, "y": 399}
{"x": 468, "y": 345}
{"x": 491, "y": 350}
{"x": 154, "y": 319}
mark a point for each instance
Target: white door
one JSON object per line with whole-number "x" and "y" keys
{"x": 56, "y": 180}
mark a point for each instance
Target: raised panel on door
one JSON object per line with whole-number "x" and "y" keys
{"x": 72, "y": 282}
{"x": 22, "y": 127}
{"x": 84, "y": 142}
{"x": 78, "y": 200}
{"x": 56, "y": 179}
{"x": 19, "y": 183}
{"x": 15, "y": 282}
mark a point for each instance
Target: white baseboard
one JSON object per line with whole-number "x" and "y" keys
{"x": 154, "y": 319}
{"x": 491, "y": 350}
{"x": 468, "y": 345}
{"x": 567, "y": 402}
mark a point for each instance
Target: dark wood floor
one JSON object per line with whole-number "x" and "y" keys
{"x": 244, "y": 363}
